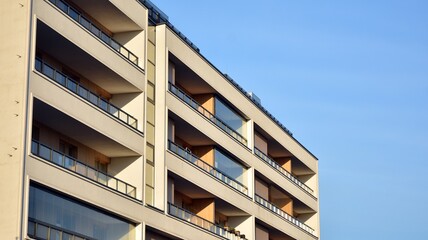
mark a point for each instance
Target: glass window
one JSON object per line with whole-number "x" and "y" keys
{"x": 228, "y": 166}
{"x": 230, "y": 117}
{"x": 66, "y": 214}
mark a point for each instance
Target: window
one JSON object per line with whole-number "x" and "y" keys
{"x": 230, "y": 117}
{"x": 228, "y": 166}
{"x": 69, "y": 216}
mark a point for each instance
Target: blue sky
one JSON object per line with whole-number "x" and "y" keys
{"x": 351, "y": 78}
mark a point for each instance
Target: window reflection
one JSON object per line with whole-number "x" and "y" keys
{"x": 228, "y": 166}
{"x": 230, "y": 117}
{"x": 59, "y": 211}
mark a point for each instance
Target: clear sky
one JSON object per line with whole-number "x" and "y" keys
{"x": 350, "y": 80}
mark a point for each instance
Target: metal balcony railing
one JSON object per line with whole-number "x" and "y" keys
{"x": 195, "y": 160}
{"x": 87, "y": 24}
{"x": 283, "y": 172}
{"x": 43, "y": 231}
{"x": 84, "y": 93}
{"x": 278, "y": 211}
{"x": 192, "y": 218}
{"x": 74, "y": 165}
{"x": 207, "y": 114}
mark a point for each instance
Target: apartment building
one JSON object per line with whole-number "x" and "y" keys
{"x": 115, "y": 126}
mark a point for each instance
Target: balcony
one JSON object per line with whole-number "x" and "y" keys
{"x": 78, "y": 167}
{"x": 206, "y": 114}
{"x": 196, "y": 161}
{"x": 202, "y": 223}
{"x": 276, "y": 210}
{"x": 84, "y": 93}
{"x": 96, "y": 31}
{"x": 40, "y": 230}
{"x": 282, "y": 171}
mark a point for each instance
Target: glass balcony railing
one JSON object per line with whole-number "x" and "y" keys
{"x": 87, "y": 24}
{"x": 84, "y": 93}
{"x": 191, "y": 158}
{"x": 44, "y": 231}
{"x": 82, "y": 169}
{"x": 207, "y": 114}
{"x": 278, "y": 211}
{"x": 283, "y": 172}
{"x": 190, "y": 217}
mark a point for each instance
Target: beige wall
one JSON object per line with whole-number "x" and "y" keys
{"x": 129, "y": 170}
{"x": 245, "y": 225}
{"x": 14, "y": 37}
{"x": 131, "y": 104}
{"x": 133, "y": 42}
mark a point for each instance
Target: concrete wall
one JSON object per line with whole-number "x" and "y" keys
{"x": 16, "y": 29}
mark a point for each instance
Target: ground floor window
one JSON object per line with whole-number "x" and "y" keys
{"x": 53, "y": 215}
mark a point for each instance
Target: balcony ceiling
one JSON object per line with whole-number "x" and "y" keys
{"x": 188, "y": 133}
{"x": 188, "y": 79}
{"x": 70, "y": 127}
{"x": 72, "y": 56}
{"x": 189, "y": 189}
{"x": 108, "y": 15}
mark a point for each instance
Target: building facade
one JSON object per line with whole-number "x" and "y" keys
{"x": 115, "y": 126}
